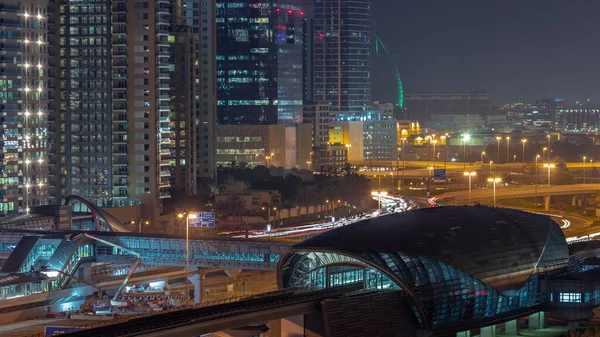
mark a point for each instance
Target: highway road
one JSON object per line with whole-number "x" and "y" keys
{"x": 457, "y": 165}
{"x": 523, "y": 191}
{"x": 390, "y": 204}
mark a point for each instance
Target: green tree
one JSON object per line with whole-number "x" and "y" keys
{"x": 232, "y": 205}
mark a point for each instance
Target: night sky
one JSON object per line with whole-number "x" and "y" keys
{"x": 540, "y": 48}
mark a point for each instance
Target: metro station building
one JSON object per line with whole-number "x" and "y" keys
{"x": 456, "y": 267}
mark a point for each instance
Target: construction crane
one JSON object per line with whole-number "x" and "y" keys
{"x": 115, "y": 300}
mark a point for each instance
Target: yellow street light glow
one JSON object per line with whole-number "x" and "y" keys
{"x": 494, "y": 180}
{"x": 550, "y": 166}
{"x": 467, "y": 174}
{"x": 192, "y": 216}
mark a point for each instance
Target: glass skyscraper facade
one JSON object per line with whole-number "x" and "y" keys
{"x": 260, "y": 47}
{"x": 81, "y": 127}
{"x": 24, "y": 105}
{"x": 343, "y": 32}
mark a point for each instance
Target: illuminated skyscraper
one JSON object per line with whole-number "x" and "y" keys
{"x": 113, "y": 110}
{"x": 80, "y": 100}
{"x": 200, "y": 16}
{"x": 343, "y": 37}
{"x": 24, "y": 105}
{"x": 260, "y": 49}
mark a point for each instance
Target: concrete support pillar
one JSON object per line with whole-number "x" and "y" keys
{"x": 292, "y": 326}
{"x": 512, "y": 327}
{"x": 196, "y": 280}
{"x": 488, "y": 331}
{"x": 579, "y": 202}
{"x": 547, "y": 203}
{"x": 463, "y": 334}
{"x": 573, "y": 201}
{"x": 537, "y": 320}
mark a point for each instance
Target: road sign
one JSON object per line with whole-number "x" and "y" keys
{"x": 439, "y": 175}
{"x": 59, "y": 330}
{"x": 203, "y": 219}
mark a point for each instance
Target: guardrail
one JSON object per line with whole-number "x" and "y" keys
{"x": 184, "y": 317}
{"x": 140, "y": 274}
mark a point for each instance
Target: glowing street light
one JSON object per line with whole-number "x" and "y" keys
{"x": 498, "y": 139}
{"x": 507, "y": 149}
{"x": 523, "y": 141}
{"x": 583, "y": 160}
{"x": 494, "y": 181}
{"x": 549, "y": 166}
{"x": 379, "y": 194}
{"x": 544, "y": 153}
{"x": 187, "y": 216}
{"x": 470, "y": 175}
{"x": 466, "y": 138}
{"x": 482, "y": 154}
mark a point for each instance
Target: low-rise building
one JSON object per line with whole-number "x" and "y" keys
{"x": 280, "y": 145}
{"x": 366, "y": 140}
{"x": 253, "y": 200}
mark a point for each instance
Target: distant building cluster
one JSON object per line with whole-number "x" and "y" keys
{"x": 127, "y": 102}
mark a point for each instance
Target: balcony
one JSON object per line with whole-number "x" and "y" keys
{"x": 119, "y": 41}
{"x": 119, "y": 8}
{"x": 119, "y": 96}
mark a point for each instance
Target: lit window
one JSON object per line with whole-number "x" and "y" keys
{"x": 570, "y": 297}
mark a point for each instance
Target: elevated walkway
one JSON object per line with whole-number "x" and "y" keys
{"x": 156, "y": 250}
{"x": 18, "y": 257}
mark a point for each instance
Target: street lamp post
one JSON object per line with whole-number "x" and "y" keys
{"x": 494, "y": 181}
{"x": 434, "y": 142}
{"x": 187, "y": 246}
{"x": 544, "y": 153}
{"x": 537, "y": 156}
{"x": 491, "y": 163}
{"x": 583, "y": 169}
{"x": 523, "y": 141}
{"x": 470, "y": 175}
{"x": 507, "y": 149}
{"x": 498, "y": 139}
{"x": 549, "y": 166}
{"x": 482, "y": 154}
{"x": 379, "y": 194}
{"x": 465, "y": 140}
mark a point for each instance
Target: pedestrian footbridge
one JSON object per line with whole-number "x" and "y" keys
{"x": 27, "y": 251}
